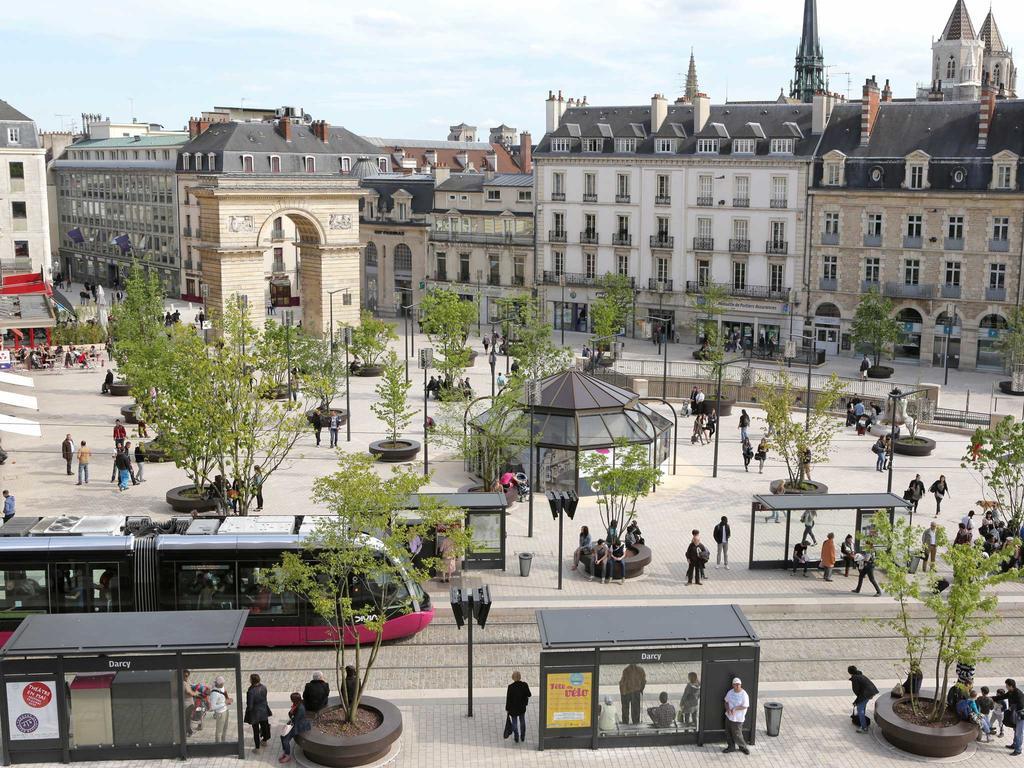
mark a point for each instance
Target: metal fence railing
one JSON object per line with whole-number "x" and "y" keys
{"x": 949, "y": 417}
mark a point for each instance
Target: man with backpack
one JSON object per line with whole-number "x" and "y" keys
{"x": 863, "y": 690}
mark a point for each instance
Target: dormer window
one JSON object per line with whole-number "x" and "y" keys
{"x": 1003, "y": 175}
{"x": 275, "y": 164}
{"x": 665, "y": 146}
{"x": 744, "y": 146}
{"x": 782, "y": 146}
{"x": 185, "y": 160}
{"x": 593, "y": 145}
{"x": 211, "y": 162}
{"x": 625, "y": 145}
{"x": 560, "y": 145}
{"x": 707, "y": 146}
{"x": 14, "y": 135}
{"x": 1004, "y": 171}
{"x": 916, "y": 176}
{"x": 309, "y": 164}
{"x": 346, "y": 164}
{"x": 833, "y": 175}
{"x": 382, "y": 164}
{"x": 199, "y": 162}
{"x": 247, "y": 166}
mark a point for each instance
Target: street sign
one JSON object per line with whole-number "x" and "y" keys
{"x": 426, "y": 357}
{"x": 204, "y": 291}
{"x": 207, "y": 325}
{"x": 790, "y": 349}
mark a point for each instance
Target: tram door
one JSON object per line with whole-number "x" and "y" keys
{"x": 86, "y": 588}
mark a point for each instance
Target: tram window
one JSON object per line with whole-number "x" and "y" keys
{"x": 380, "y": 589}
{"x": 205, "y": 587}
{"x": 22, "y": 592}
{"x": 87, "y": 588}
{"x": 258, "y": 597}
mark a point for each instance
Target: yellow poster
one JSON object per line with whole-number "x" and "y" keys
{"x": 568, "y": 700}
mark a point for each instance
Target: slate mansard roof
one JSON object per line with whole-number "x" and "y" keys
{"x": 726, "y": 122}
{"x": 386, "y": 185}
{"x": 946, "y": 131}
{"x": 29, "y": 136}
{"x": 230, "y": 141}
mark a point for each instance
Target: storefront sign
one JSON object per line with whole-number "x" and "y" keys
{"x": 32, "y": 710}
{"x": 569, "y": 697}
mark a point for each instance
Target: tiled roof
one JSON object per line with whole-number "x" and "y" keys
{"x": 447, "y": 154}
{"x": 9, "y": 113}
{"x": 959, "y": 26}
{"x": 990, "y": 34}
{"x": 510, "y": 180}
{"x": 131, "y": 142}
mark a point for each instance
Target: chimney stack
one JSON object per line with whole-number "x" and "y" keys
{"x": 868, "y": 110}
{"x": 284, "y": 127}
{"x": 821, "y": 111}
{"x": 701, "y": 111}
{"x": 321, "y": 129}
{"x": 441, "y": 174}
{"x": 659, "y": 111}
{"x": 526, "y": 152}
{"x": 887, "y": 92}
{"x": 987, "y": 110}
{"x": 551, "y": 113}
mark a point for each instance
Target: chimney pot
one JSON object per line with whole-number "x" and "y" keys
{"x": 526, "y": 152}
{"x": 868, "y": 110}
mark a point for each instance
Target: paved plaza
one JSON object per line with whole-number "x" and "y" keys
{"x": 810, "y": 628}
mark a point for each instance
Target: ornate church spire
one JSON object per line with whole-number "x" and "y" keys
{"x": 810, "y": 64}
{"x": 691, "y": 80}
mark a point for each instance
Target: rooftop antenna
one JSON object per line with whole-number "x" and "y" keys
{"x": 849, "y": 79}
{"x": 61, "y": 116}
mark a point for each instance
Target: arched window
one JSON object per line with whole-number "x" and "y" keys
{"x": 403, "y": 258}
{"x": 996, "y": 79}
{"x": 909, "y": 315}
{"x": 827, "y": 310}
{"x": 371, "y": 255}
{"x": 998, "y": 322}
{"x": 951, "y": 68}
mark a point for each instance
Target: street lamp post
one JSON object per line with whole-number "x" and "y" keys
{"x": 948, "y": 331}
{"x": 409, "y": 349}
{"x": 470, "y": 605}
{"x": 288, "y": 348}
{"x": 492, "y": 359}
{"x": 347, "y": 338}
{"x": 426, "y": 360}
{"x": 561, "y": 307}
{"x": 479, "y": 297}
{"x": 532, "y": 387}
{"x": 718, "y": 407}
{"x": 562, "y": 503}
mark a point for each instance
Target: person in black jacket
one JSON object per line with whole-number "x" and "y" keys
{"x": 351, "y": 684}
{"x": 695, "y": 557}
{"x": 1013, "y": 702}
{"x": 722, "y": 534}
{"x": 517, "y": 696}
{"x": 257, "y": 711}
{"x": 316, "y": 693}
{"x": 864, "y": 691}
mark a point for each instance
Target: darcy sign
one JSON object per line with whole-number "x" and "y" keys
{"x": 652, "y": 656}
{"x": 32, "y": 710}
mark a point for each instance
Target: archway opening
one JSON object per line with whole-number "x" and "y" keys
{"x": 909, "y": 347}
{"x": 282, "y": 237}
{"x": 827, "y": 320}
{"x": 990, "y": 329}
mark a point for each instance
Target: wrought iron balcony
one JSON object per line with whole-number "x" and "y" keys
{"x": 745, "y": 291}
{"x": 777, "y": 247}
{"x": 492, "y": 238}
{"x": 551, "y": 277}
{"x": 589, "y": 197}
{"x": 663, "y": 200}
{"x": 186, "y": 231}
{"x": 910, "y": 241}
{"x": 867, "y": 286}
{"x": 954, "y": 243}
{"x": 588, "y": 237}
{"x": 703, "y": 243}
{"x": 828, "y": 284}
{"x": 662, "y": 241}
{"x": 556, "y": 235}
{"x": 741, "y": 202}
{"x": 830, "y": 238}
{"x": 872, "y": 241}
{"x": 558, "y": 197}
{"x": 705, "y": 202}
{"x": 739, "y": 245}
{"x": 779, "y": 202}
{"x": 659, "y": 285}
{"x": 277, "y": 235}
{"x": 999, "y": 246}
{"x": 908, "y": 291}
{"x": 622, "y": 198}
{"x": 995, "y": 294}
{"x": 622, "y": 238}
{"x": 951, "y": 291}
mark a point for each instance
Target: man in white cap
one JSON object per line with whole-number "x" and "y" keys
{"x": 736, "y": 705}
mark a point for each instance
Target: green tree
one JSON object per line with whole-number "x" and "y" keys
{"x": 708, "y": 307}
{"x": 354, "y": 582}
{"x": 609, "y": 313}
{"x": 790, "y": 439}
{"x": 997, "y": 454}
{"x": 620, "y": 481}
{"x": 274, "y": 348}
{"x": 142, "y": 343}
{"x": 874, "y": 324}
{"x": 1011, "y": 340}
{"x": 66, "y": 334}
{"x": 322, "y": 371}
{"x": 533, "y": 346}
{"x": 392, "y": 405}
{"x": 370, "y": 339}
{"x": 446, "y": 320}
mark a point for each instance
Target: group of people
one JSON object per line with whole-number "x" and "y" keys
{"x": 608, "y": 556}
{"x": 916, "y": 490}
{"x": 436, "y": 385}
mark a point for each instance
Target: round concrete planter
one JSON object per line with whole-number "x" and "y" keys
{"x": 945, "y": 741}
{"x": 400, "y": 450}
{"x": 637, "y": 558}
{"x": 277, "y": 392}
{"x": 368, "y": 371}
{"x": 183, "y": 499}
{"x": 722, "y": 406}
{"x": 1006, "y": 387}
{"x": 128, "y": 414}
{"x": 346, "y": 751}
{"x": 119, "y": 389}
{"x": 818, "y": 488}
{"x": 154, "y": 453}
{"x": 921, "y": 446}
{"x": 325, "y": 416}
{"x": 880, "y": 372}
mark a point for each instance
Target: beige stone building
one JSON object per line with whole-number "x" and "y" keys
{"x": 24, "y": 219}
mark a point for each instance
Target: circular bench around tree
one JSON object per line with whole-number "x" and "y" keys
{"x": 128, "y": 414}
{"x": 119, "y": 388}
{"x": 637, "y": 558}
{"x": 184, "y": 499}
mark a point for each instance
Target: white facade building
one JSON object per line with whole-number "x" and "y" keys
{"x": 24, "y": 217}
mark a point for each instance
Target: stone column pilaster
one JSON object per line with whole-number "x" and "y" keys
{"x": 328, "y": 268}
{"x": 231, "y": 272}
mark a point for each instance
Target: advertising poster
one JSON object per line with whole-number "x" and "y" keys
{"x": 32, "y": 710}
{"x": 568, "y": 699}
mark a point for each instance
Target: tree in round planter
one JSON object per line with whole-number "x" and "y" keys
{"x": 958, "y": 633}
{"x": 533, "y": 347}
{"x": 392, "y": 408}
{"x": 609, "y": 313}
{"x": 997, "y": 454}
{"x": 874, "y": 328}
{"x": 791, "y": 440}
{"x": 370, "y": 340}
{"x": 446, "y": 319}
{"x": 323, "y": 375}
{"x": 337, "y": 566}
{"x": 915, "y": 410}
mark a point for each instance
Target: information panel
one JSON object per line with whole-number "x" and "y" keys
{"x": 569, "y": 699}
{"x": 32, "y": 710}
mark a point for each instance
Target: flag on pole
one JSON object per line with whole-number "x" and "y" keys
{"x": 76, "y": 235}
{"x": 123, "y": 242}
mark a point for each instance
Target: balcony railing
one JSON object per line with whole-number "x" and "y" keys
{"x": 588, "y": 237}
{"x": 277, "y": 235}
{"x": 908, "y": 291}
{"x": 872, "y": 241}
{"x": 495, "y": 238}
{"x": 911, "y": 241}
{"x": 999, "y": 246}
{"x": 777, "y": 247}
{"x": 867, "y": 286}
{"x": 830, "y": 238}
{"x": 662, "y": 241}
{"x": 828, "y": 284}
{"x": 703, "y": 243}
{"x": 622, "y": 198}
{"x": 558, "y": 197}
{"x": 950, "y": 291}
{"x": 659, "y": 285}
{"x": 739, "y": 245}
{"x": 622, "y": 238}
{"x": 995, "y": 294}
{"x": 779, "y": 202}
{"x": 705, "y": 202}
{"x": 572, "y": 278}
{"x": 746, "y": 291}
{"x": 741, "y": 202}
{"x": 556, "y": 235}
{"x": 186, "y": 231}
{"x": 589, "y": 197}
{"x": 663, "y": 200}
{"x": 954, "y": 243}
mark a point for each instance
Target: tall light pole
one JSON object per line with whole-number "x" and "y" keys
{"x": 346, "y": 300}
{"x": 288, "y": 346}
{"x": 532, "y": 387}
{"x": 492, "y": 359}
{"x": 346, "y": 335}
{"x": 426, "y": 360}
{"x": 479, "y": 297}
{"x": 561, "y": 307}
{"x": 408, "y": 341}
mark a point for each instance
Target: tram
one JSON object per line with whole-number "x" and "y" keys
{"x": 107, "y": 563}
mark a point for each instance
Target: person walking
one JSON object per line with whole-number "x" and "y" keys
{"x": 744, "y": 426}
{"x": 67, "y": 451}
{"x": 298, "y": 722}
{"x": 939, "y": 490}
{"x": 865, "y": 364}
{"x": 846, "y": 549}
{"x": 8, "y": 505}
{"x": 257, "y": 711}
{"x": 140, "y": 458}
{"x": 123, "y": 467}
{"x": 808, "y": 518}
{"x": 257, "y": 483}
{"x": 517, "y": 697}
{"x": 120, "y": 434}
{"x": 84, "y": 455}
{"x": 748, "y": 453}
{"x": 864, "y": 691}
{"x": 914, "y": 492}
{"x": 695, "y": 558}
{"x": 317, "y": 423}
{"x": 219, "y": 701}
{"x": 129, "y": 453}
{"x": 866, "y": 565}
{"x": 761, "y": 455}
{"x": 737, "y": 702}
{"x": 712, "y": 424}
{"x": 828, "y": 555}
{"x": 698, "y": 430}
{"x": 930, "y": 542}
{"x": 333, "y": 426}
{"x": 1012, "y": 699}
{"x": 722, "y": 533}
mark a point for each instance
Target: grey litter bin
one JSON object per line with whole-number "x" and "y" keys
{"x": 772, "y": 717}
{"x": 525, "y": 561}
{"x": 915, "y": 563}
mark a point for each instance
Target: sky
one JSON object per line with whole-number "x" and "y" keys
{"x": 410, "y": 69}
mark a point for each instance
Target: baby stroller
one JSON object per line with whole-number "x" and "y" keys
{"x": 522, "y": 484}
{"x": 200, "y": 705}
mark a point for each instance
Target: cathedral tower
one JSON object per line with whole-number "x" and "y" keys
{"x": 810, "y": 64}
{"x": 998, "y": 67}
{"x": 958, "y": 58}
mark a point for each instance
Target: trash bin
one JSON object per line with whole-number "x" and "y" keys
{"x": 772, "y": 717}
{"x": 915, "y": 563}
{"x": 525, "y": 561}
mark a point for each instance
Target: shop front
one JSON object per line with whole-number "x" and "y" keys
{"x": 946, "y": 343}
{"x": 571, "y": 314}
{"x": 607, "y": 674}
{"x": 989, "y": 331}
{"x": 113, "y": 686}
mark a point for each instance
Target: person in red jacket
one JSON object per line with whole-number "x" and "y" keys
{"x": 120, "y": 435}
